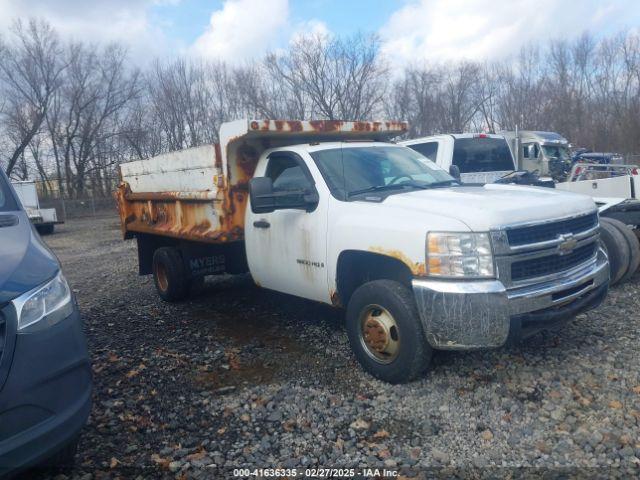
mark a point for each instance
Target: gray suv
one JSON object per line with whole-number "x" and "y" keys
{"x": 45, "y": 374}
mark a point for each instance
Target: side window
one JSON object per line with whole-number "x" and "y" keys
{"x": 530, "y": 150}
{"x": 429, "y": 149}
{"x": 287, "y": 174}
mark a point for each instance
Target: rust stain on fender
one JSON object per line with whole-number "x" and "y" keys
{"x": 335, "y": 298}
{"x": 419, "y": 269}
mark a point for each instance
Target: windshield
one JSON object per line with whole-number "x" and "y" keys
{"x": 482, "y": 154}
{"x": 556, "y": 151}
{"x": 7, "y": 203}
{"x": 353, "y": 170}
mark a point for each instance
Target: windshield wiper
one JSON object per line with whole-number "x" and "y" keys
{"x": 377, "y": 188}
{"x": 398, "y": 186}
{"x": 443, "y": 183}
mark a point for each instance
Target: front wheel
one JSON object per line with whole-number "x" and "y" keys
{"x": 385, "y": 332}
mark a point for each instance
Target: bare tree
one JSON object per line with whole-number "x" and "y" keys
{"x": 70, "y": 112}
{"x": 86, "y": 119}
{"x": 30, "y": 74}
{"x": 330, "y": 77}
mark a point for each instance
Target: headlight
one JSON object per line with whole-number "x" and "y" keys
{"x": 45, "y": 305}
{"x": 451, "y": 254}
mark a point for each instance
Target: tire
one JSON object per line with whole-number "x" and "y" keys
{"x": 45, "y": 229}
{"x": 617, "y": 251}
{"x": 169, "y": 275}
{"x": 632, "y": 243}
{"x": 381, "y": 299}
{"x": 64, "y": 458}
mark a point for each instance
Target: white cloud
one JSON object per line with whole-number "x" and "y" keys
{"x": 125, "y": 21}
{"x": 438, "y": 30}
{"x": 310, "y": 27}
{"x": 244, "y": 29}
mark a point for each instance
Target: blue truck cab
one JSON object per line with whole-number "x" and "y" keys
{"x": 45, "y": 373}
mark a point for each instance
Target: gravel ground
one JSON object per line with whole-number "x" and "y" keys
{"x": 243, "y": 377}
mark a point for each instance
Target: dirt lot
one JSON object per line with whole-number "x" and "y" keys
{"x": 243, "y": 377}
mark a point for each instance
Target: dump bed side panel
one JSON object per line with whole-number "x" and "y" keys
{"x": 188, "y": 170}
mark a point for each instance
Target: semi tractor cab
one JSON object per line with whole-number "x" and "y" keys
{"x": 547, "y": 153}
{"x": 332, "y": 212}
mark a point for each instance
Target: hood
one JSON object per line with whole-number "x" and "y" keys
{"x": 25, "y": 261}
{"x": 492, "y": 206}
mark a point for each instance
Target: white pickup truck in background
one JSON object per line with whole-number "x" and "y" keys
{"x": 330, "y": 212}
{"x": 44, "y": 219}
{"x": 484, "y": 158}
{"x": 474, "y": 161}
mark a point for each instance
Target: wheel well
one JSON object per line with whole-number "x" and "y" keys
{"x": 356, "y": 267}
{"x": 147, "y": 245}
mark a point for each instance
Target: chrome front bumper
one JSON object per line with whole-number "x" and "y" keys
{"x": 462, "y": 315}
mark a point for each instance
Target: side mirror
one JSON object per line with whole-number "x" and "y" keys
{"x": 265, "y": 200}
{"x": 454, "y": 171}
{"x": 261, "y": 195}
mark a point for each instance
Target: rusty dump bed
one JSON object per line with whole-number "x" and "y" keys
{"x": 201, "y": 193}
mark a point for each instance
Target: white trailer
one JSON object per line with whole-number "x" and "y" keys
{"x": 44, "y": 219}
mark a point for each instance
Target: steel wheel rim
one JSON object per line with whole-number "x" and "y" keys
{"x": 161, "y": 275}
{"x": 379, "y": 334}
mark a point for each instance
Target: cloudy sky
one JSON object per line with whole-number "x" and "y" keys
{"x": 411, "y": 30}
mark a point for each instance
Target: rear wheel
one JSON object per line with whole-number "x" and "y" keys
{"x": 632, "y": 243}
{"x": 617, "y": 250}
{"x": 169, "y": 275}
{"x": 385, "y": 332}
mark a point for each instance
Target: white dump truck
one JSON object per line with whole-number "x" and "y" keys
{"x": 44, "y": 219}
{"x": 332, "y": 212}
{"x": 480, "y": 158}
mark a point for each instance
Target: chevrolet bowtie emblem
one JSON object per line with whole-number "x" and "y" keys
{"x": 567, "y": 243}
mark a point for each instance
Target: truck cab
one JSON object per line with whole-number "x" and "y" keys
{"x": 542, "y": 159}
{"x": 478, "y": 157}
{"x": 545, "y": 152}
{"x": 333, "y": 212}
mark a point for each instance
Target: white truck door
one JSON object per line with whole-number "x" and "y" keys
{"x": 286, "y": 249}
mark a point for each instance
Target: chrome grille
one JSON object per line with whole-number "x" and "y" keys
{"x": 543, "y": 232}
{"x": 547, "y": 265}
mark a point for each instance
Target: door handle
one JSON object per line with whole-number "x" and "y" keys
{"x": 261, "y": 224}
